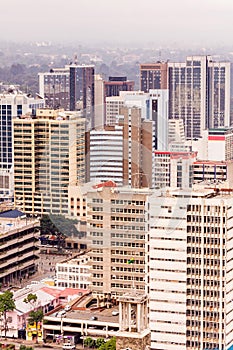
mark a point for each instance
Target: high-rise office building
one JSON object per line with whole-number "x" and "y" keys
{"x": 116, "y": 228}
{"x": 158, "y": 113}
{"x": 190, "y": 269}
{"x": 113, "y": 86}
{"x": 49, "y": 154}
{"x": 54, "y": 86}
{"x": 106, "y": 154}
{"x": 71, "y": 88}
{"x": 13, "y": 103}
{"x": 153, "y": 106}
{"x": 199, "y": 93}
{"x": 123, "y": 153}
{"x": 99, "y": 101}
{"x": 129, "y": 99}
{"x": 153, "y": 76}
{"x": 138, "y": 155}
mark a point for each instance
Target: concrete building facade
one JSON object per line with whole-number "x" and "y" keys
{"x": 74, "y": 273}
{"x": 220, "y": 144}
{"x": 174, "y": 169}
{"x": 18, "y": 250}
{"x": 138, "y": 157}
{"x": 71, "y": 88}
{"x": 114, "y": 86}
{"x": 13, "y": 103}
{"x": 199, "y": 94}
{"x": 49, "y": 154}
{"x": 116, "y": 228}
{"x": 106, "y": 154}
{"x": 190, "y": 269}
{"x": 153, "y": 76}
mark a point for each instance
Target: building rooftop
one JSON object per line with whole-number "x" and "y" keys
{"x": 12, "y": 214}
{"x": 8, "y": 224}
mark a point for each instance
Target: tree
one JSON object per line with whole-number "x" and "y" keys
{"x": 99, "y": 342}
{"x": 89, "y": 342}
{"x": 35, "y": 317}
{"x": 31, "y": 298}
{"x": 109, "y": 345}
{"x": 24, "y": 347}
{"x": 7, "y": 304}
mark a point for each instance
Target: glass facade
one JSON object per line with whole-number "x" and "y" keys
{"x": 198, "y": 94}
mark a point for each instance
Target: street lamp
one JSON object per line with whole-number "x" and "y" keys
{"x": 61, "y": 327}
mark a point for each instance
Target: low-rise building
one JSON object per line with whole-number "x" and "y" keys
{"x": 174, "y": 169}
{"x": 74, "y": 273}
{"x": 212, "y": 171}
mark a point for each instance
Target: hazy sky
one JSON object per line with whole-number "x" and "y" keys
{"x": 201, "y": 22}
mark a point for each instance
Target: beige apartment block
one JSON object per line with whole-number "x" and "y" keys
{"x": 117, "y": 228}
{"x": 49, "y": 154}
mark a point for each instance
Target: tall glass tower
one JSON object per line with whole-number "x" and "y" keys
{"x": 199, "y": 93}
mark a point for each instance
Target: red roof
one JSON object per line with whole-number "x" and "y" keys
{"x": 105, "y": 184}
{"x": 64, "y": 293}
{"x": 52, "y": 291}
{"x": 73, "y": 291}
{"x": 216, "y": 138}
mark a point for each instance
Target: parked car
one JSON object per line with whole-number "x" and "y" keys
{"x": 61, "y": 313}
{"x": 68, "y": 346}
{"x": 115, "y": 313}
{"x": 67, "y": 307}
{"x": 93, "y": 318}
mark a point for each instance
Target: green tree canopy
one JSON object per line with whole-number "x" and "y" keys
{"x": 7, "y": 304}
{"x": 109, "y": 345}
{"x": 99, "y": 342}
{"x": 89, "y": 342}
{"x": 31, "y": 298}
{"x": 35, "y": 317}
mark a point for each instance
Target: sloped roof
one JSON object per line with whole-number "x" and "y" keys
{"x": 12, "y": 214}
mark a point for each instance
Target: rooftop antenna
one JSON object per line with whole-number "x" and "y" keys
{"x": 75, "y": 59}
{"x": 160, "y": 54}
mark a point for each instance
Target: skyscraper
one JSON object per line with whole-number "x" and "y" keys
{"x": 106, "y": 154}
{"x": 49, "y": 154}
{"x": 113, "y": 86}
{"x": 199, "y": 93}
{"x": 153, "y": 106}
{"x": 71, "y": 88}
{"x": 153, "y": 76}
{"x": 138, "y": 156}
{"x": 13, "y": 103}
{"x": 190, "y": 274}
{"x": 116, "y": 230}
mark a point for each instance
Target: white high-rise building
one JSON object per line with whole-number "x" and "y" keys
{"x": 190, "y": 269}
{"x": 153, "y": 106}
{"x": 106, "y": 154}
{"x": 99, "y": 101}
